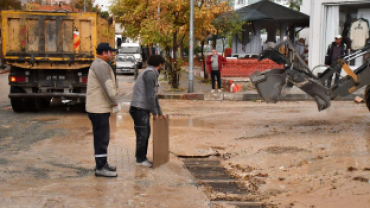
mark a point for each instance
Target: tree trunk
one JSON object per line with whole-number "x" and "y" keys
{"x": 214, "y": 41}
{"x": 175, "y": 71}
{"x": 168, "y": 66}
{"x": 182, "y": 51}
{"x": 223, "y": 46}
{"x": 204, "y": 61}
{"x": 150, "y": 49}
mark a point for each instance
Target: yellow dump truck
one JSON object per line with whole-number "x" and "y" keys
{"x": 50, "y": 54}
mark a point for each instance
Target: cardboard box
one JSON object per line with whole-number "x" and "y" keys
{"x": 161, "y": 144}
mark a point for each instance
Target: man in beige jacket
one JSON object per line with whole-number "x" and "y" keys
{"x": 101, "y": 99}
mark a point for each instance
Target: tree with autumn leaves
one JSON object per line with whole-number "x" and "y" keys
{"x": 166, "y": 22}
{"x": 160, "y": 22}
{"x": 10, "y": 5}
{"x": 214, "y": 18}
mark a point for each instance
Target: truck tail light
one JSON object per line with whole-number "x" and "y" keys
{"x": 83, "y": 79}
{"x": 17, "y": 79}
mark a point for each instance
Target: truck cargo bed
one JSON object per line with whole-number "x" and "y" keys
{"x": 53, "y": 40}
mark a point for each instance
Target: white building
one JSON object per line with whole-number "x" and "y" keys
{"x": 329, "y": 18}
{"x": 118, "y": 34}
{"x": 306, "y": 9}
{"x": 241, "y": 3}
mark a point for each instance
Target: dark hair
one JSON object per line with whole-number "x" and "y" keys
{"x": 100, "y": 52}
{"x": 155, "y": 60}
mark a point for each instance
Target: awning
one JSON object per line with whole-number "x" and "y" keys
{"x": 269, "y": 11}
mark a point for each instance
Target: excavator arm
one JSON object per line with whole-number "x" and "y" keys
{"x": 270, "y": 84}
{"x": 355, "y": 79}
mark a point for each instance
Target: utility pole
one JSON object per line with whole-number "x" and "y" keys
{"x": 159, "y": 13}
{"x": 191, "y": 47}
{"x": 85, "y": 6}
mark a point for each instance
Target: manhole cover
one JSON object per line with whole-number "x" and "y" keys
{"x": 219, "y": 185}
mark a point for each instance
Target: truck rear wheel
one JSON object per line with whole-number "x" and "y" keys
{"x": 45, "y": 102}
{"x": 34, "y": 104}
{"x": 367, "y": 96}
{"x": 18, "y": 104}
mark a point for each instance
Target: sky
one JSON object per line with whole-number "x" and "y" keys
{"x": 105, "y": 4}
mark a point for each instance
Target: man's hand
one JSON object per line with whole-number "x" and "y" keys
{"x": 163, "y": 116}
{"x": 155, "y": 117}
{"x": 117, "y": 108}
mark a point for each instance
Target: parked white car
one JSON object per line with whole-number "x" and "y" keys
{"x": 126, "y": 64}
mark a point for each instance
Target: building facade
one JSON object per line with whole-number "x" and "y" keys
{"x": 329, "y": 18}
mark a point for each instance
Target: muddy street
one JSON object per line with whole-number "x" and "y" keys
{"x": 284, "y": 155}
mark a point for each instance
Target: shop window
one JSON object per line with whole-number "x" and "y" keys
{"x": 351, "y": 21}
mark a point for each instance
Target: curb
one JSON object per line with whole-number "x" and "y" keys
{"x": 242, "y": 97}
{"x": 4, "y": 71}
{"x": 187, "y": 96}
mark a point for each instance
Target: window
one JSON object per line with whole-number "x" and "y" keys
{"x": 130, "y": 59}
{"x": 130, "y": 49}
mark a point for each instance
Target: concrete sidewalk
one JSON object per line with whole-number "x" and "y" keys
{"x": 202, "y": 91}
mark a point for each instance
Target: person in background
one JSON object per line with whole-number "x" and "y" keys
{"x": 300, "y": 46}
{"x": 335, "y": 50}
{"x": 145, "y": 101}
{"x": 283, "y": 49}
{"x": 101, "y": 100}
{"x": 215, "y": 63}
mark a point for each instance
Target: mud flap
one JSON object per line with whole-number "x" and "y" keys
{"x": 269, "y": 84}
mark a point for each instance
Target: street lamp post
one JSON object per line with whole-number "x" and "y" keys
{"x": 191, "y": 46}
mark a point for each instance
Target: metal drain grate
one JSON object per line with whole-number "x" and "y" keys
{"x": 217, "y": 181}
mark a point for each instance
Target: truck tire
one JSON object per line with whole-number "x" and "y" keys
{"x": 83, "y": 108}
{"x": 367, "y": 96}
{"x": 18, "y": 104}
{"x": 34, "y": 104}
{"x": 45, "y": 102}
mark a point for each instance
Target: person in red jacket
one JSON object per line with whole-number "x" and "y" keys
{"x": 214, "y": 63}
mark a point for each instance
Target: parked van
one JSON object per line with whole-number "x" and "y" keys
{"x": 132, "y": 49}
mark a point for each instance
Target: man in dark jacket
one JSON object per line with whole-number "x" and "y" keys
{"x": 335, "y": 50}
{"x": 215, "y": 63}
{"x": 145, "y": 101}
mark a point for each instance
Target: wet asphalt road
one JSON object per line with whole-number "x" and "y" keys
{"x": 294, "y": 154}
{"x": 46, "y": 160}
